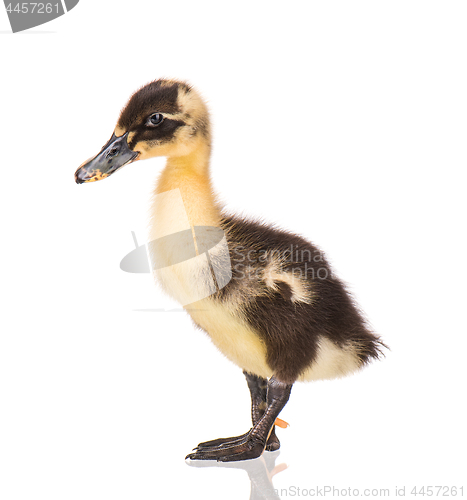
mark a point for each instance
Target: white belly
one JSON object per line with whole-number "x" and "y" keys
{"x": 231, "y": 336}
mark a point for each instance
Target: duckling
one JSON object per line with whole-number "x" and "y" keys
{"x": 267, "y": 298}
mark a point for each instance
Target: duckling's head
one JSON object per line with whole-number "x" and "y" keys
{"x": 163, "y": 118}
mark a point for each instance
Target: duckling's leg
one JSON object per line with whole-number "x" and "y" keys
{"x": 251, "y": 444}
{"x": 258, "y": 391}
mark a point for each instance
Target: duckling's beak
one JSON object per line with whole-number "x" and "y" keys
{"x": 114, "y": 155}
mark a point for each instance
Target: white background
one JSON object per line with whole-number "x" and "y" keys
{"x": 343, "y": 121}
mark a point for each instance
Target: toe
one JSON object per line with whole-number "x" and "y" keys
{"x": 222, "y": 441}
{"x": 244, "y": 450}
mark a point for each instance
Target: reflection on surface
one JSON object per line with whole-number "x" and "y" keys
{"x": 260, "y": 471}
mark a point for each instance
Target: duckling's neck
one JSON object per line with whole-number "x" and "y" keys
{"x": 184, "y": 195}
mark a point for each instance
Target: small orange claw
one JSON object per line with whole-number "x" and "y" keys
{"x": 281, "y": 423}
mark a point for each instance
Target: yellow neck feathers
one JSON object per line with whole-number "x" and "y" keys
{"x": 190, "y": 175}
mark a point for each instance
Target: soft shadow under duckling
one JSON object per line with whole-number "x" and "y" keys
{"x": 260, "y": 472}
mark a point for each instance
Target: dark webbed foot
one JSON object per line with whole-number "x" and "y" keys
{"x": 220, "y": 441}
{"x": 272, "y": 444}
{"x": 251, "y": 444}
{"x": 258, "y": 390}
{"x": 243, "y": 447}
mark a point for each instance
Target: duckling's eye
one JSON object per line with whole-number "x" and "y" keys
{"x": 154, "y": 120}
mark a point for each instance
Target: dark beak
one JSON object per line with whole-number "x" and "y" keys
{"x": 114, "y": 155}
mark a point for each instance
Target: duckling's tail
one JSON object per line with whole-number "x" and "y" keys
{"x": 369, "y": 347}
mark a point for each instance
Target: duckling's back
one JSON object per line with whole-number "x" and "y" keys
{"x": 284, "y": 309}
